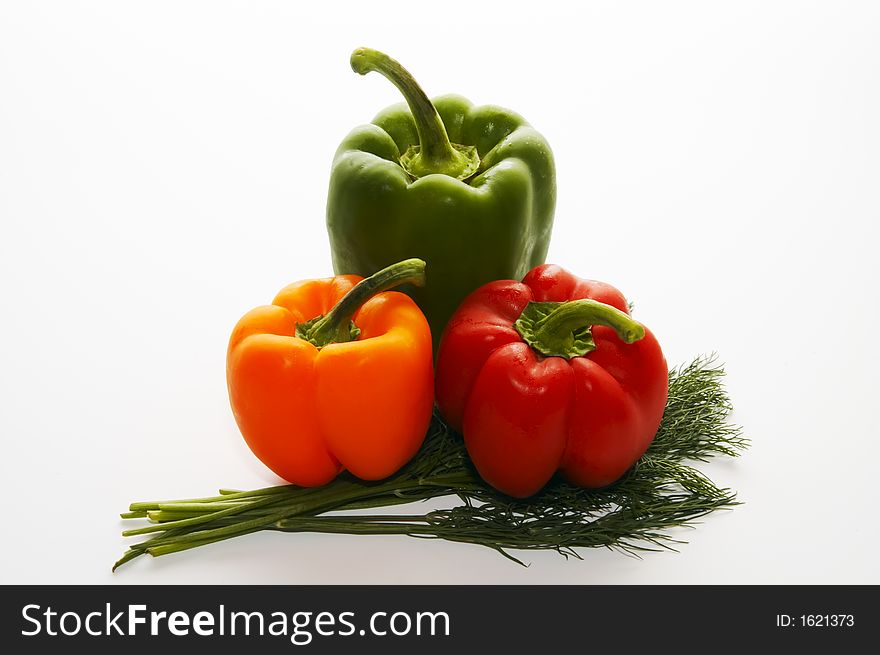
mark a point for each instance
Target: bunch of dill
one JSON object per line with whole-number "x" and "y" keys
{"x": 660, "y": 492}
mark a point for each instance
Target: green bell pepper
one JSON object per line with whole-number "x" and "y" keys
{"x": 469, "y": 189}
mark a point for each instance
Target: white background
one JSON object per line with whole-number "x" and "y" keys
{"x": 164, "y": 167}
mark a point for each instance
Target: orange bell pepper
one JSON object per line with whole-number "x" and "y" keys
{"x": 335, "y": 374}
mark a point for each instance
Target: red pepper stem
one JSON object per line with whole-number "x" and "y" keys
{"x": 336, "y": 326}
{"x": 435, "y": 153}
{"x": 574, "y": 314}
{"x": 564, "y": 329}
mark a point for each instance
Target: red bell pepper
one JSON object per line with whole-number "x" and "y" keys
{"x": 547, "y": 374}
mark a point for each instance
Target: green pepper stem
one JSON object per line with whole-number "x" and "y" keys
{"x": 569, "y": 316}
{"x": 336, "y": 325}
{"x": 435, "y": 153}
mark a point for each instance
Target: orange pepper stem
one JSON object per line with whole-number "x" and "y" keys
{"x": 337, "y": 326}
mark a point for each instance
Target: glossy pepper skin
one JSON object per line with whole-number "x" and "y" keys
{"x": 363, "y": 405}
{"x": 469, "y": 189}
{"x": 525, "y": 415}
